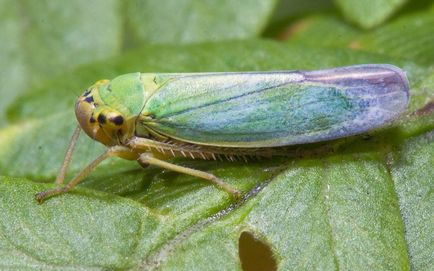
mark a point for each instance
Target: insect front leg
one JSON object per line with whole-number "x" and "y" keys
{"x": 113, "y": 151}
{"x": 68, "y": 156}
{"x": 148, "y": 158}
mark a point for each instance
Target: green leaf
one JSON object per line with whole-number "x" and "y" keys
{"x": 184, "y": 21}
{"x": 287, "y": 10}
{"x": 79, "y": 232}
{"x": 351, "y": 206}
{"x": 324, "y": 31}
{"x": 412, "y": 170}
{"x": 41, "y": 39}
{"x": 338, "y": 207}
{"x": 369, "y": 13}
{"x": 346, "y": 205}
{"x": 408, "y": 37}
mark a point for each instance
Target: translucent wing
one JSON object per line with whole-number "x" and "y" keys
{"x": 265, "y": 109}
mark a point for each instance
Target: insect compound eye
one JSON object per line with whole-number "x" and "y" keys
{"x": 117, "y": 120}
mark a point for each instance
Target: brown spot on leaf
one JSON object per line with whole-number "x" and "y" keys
{"x": 255, "y": 254}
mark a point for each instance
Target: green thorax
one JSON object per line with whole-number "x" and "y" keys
{"x": 128, "y": 93}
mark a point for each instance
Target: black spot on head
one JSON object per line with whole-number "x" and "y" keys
{"x": 92, "y": 119}
{"x": 101, "y": 118}
{"x": 86, "y": 92}
{"x": 89, "y": 99}
{"x": 118, "y": 120}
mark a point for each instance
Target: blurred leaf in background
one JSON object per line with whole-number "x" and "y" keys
{"x": 188, "y": 21}
{"x": 364, "y": 204}
{"x": 42, "y": 39}
{"x": 369, "y": 13}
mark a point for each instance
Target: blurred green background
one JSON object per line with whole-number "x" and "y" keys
{"x": 367, "y": 204}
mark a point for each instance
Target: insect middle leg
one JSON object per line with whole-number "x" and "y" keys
{"x": 148, "y": 158}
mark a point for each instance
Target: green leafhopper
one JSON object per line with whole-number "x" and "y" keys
{"x": 149, "y": 117}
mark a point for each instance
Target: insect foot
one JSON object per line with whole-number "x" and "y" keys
{"x": 42, "y": 196}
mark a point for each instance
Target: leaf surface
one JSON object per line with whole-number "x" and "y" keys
{"x": 357, "y": 203}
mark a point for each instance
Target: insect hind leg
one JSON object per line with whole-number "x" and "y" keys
{"x": 149, "y": 159}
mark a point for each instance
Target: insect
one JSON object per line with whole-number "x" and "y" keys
{"x": 149, "y": 117}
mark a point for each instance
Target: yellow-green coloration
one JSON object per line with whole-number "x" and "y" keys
{"x": 150, "y": 117}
